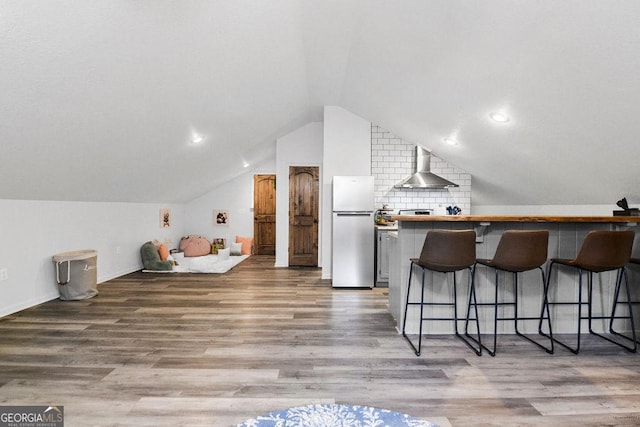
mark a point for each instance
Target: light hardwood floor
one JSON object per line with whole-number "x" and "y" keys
{"x": 214, "y": 350}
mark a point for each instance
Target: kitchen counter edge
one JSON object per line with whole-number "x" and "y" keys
{"x": 515, "y": 218}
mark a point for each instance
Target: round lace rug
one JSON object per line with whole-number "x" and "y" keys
{"x": 335, "y": 416}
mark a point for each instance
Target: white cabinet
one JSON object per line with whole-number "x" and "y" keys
{"x": 382, "y": 257}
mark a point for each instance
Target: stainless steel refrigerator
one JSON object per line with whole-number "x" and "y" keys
{"x": 353, "y": 232}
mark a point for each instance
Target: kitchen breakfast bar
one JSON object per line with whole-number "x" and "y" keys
{"x": 566, "y": 234}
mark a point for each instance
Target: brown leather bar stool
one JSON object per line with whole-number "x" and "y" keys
{"x": 519, "y": 251}
{"x": 444, "y": 251}
{"x": 600, "y": 251}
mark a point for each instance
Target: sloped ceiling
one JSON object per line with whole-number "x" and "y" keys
{"x": 99, "y": 100}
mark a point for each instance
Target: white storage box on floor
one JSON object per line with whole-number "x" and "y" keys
{"x": 76, "y": 274}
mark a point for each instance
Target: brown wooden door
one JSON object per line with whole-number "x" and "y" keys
{"x": 264, "y": 214}
{"x": 303, "y": 215}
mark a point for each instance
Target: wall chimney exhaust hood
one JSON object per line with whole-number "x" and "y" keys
{"x": 423, "y": 177}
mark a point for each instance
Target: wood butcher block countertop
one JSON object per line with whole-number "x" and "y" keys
{"x": 515, "y": 218}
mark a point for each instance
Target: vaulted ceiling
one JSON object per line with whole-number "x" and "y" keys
{"x": 99, "y": 100}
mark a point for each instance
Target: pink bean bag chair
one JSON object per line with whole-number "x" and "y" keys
{"x": 195, "y": 246}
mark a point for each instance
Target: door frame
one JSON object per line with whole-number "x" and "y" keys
{"x": 286, "y": 219}
{"x": 275, "y": 209}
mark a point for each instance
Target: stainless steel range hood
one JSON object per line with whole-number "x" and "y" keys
{"x": 423, "y": 177}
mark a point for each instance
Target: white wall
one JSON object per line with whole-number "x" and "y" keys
{"x": 234, "y": 196}
{"x": 347, "y": 151}
{"x": 302, "y": 147}
{"x": 31, "y": 232}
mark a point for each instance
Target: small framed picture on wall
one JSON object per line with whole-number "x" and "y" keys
{"x": 220, "y": 217}
{"x": 165, "y": 218}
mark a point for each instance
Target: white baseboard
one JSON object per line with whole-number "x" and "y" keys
{"x": 119, "y": 273}
{"x": 28, "y": 304}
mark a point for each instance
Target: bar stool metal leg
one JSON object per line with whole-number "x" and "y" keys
{"x": 495, "y": 317}
{"x": 634, "y": 348}
{"x": 579, "y": 303}
{"x": 516, "y": 317}
{"x": 467, "y": 338}
{"x": 406, "y": 309}
{"x": 601, "y": 251}
{"x": 444, "y": 251}
{"x": 418, "y": 349}
{"x": 518, "y": 251}
{"x": 590, "y": 316}
{"x": 545, "y": 306}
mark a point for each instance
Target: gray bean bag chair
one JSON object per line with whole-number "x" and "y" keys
{"x": 151, "y": 258}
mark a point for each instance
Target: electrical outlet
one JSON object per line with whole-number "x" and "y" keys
{"x": 4, "y": 274}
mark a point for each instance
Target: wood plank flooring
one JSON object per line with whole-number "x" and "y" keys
{"x": 215, "y": 350}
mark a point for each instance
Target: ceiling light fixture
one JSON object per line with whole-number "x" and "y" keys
{"x": 450, "y": 141}
{"x": 197, "y": 139}
{"x": 245, "y": 164}
{"x": 499, "y": 117}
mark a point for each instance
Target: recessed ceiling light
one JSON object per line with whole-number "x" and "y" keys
{"x": 450, "y": 141}
{"x": 245, "y": 164}
{"x": 499, "y": 117}
{"x": 197, "y": 139}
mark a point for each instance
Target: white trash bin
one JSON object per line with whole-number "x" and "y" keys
{"x": 77, "y": 274}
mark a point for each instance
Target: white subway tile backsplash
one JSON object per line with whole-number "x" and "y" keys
{"x": 392, "y": 161}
